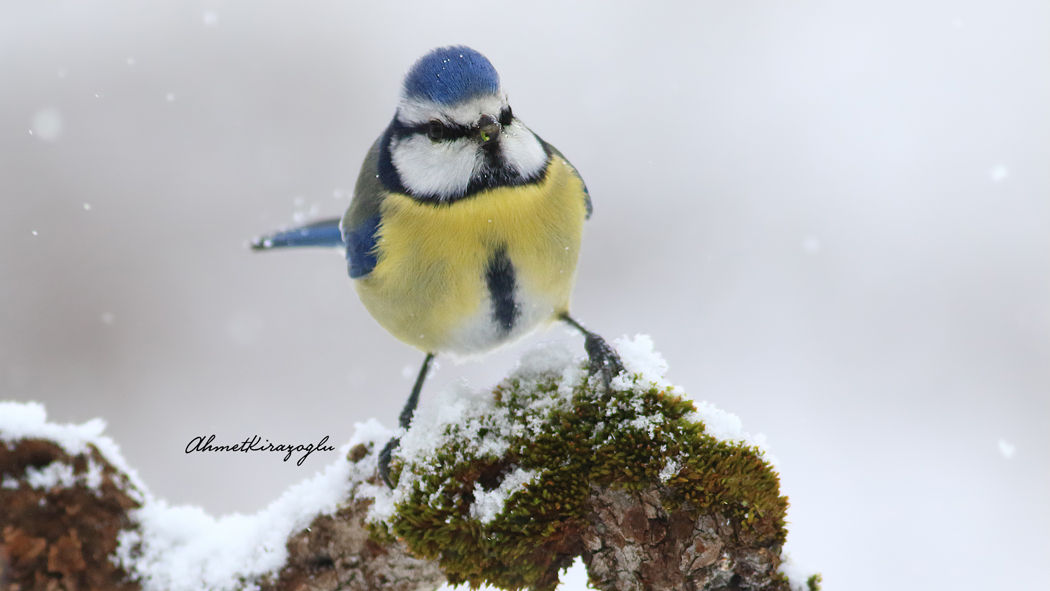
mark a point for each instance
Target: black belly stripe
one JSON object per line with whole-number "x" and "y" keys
{"x": 500, "y": 278}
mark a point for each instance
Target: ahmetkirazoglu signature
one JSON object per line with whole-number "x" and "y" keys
{"x": 255, "y": 443}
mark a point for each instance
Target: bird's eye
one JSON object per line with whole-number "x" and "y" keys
{"x": 506, "y": 117}
{"x": 435, "y": 130}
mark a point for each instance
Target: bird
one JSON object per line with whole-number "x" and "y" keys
{"x": 464, "y": 227}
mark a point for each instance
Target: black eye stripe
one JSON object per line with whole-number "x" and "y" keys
{"x": 448, "y": 132}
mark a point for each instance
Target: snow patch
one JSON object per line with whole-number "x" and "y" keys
{"x": 29, "y": 421}
{"x": 727, "y": 427}
{"x": 489, "y": 504}
{"x": 93, "y": 476}
{"x": 456, "y": 412}
{"x": 670, "y": 470}
{"x": 542, "y": 360}
{"x": 640, "y": 358}
{"x": 51, "y": 475}
{"x": 184, "y": 549}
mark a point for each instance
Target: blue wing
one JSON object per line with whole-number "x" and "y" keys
{"x": 323, "y": 233}
{"x": 361, "y": 247}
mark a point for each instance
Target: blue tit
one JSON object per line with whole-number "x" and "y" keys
{"x": 465, "y": 226}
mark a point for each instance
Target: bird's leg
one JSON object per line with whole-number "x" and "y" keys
{"x": 602, "y": 357}
{"x": 405, "y": 420}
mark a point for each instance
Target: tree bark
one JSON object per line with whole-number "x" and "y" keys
{"x": 337, "y": 552}
{"x": 635, "y": 544}
{"x": 61, "y": 538}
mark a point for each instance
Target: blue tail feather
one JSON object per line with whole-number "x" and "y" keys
{"x": 322, "y": 233}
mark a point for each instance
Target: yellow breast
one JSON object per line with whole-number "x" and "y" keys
{"x": 429, "y": 286}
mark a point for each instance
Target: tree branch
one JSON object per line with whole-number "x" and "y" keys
{"x": 504, "y": 487}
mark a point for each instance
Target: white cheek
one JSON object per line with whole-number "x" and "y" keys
{"x": 522, "y": 150}
{"x": 435, "y": 169}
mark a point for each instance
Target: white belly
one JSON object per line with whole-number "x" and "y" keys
{"x": 481, "y": 332}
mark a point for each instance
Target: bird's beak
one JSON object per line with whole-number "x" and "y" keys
{"x": 488, "y": 129}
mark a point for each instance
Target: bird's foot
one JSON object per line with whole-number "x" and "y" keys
{"x": 384, "y": 460}
{"x": 602, "y": 359}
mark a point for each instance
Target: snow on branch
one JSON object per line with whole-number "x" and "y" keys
{"x": 74, "y": 516}
{"x": 503, "y": 487}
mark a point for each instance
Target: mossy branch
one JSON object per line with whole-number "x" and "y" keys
{"x": 511, "y": 489}
{"x": 505, "y": 489}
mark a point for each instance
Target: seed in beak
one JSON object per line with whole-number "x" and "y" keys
{"x": 488, "y": 129}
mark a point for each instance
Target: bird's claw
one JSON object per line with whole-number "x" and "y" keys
{"x": 603, "y": 359}
{"x": 384, "y": 460}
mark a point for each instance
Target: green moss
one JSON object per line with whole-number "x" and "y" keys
{"x": 590, "y": 438}
{"x": 813, "y": 582}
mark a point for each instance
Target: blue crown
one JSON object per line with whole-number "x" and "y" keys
{"x": 451, "y": 75}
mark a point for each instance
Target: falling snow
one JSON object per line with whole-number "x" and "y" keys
{"x": 998, "y": 173}
{"x": 47, "y": 125}
{"x": 1007, "y": 449}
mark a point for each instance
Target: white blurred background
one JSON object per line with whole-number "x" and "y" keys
{"x": 832, "y": 218}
